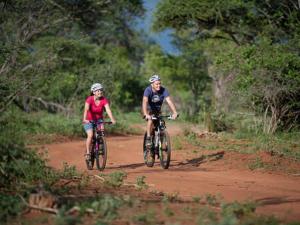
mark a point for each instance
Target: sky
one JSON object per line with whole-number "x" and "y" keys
{"x": 162, "y": 38}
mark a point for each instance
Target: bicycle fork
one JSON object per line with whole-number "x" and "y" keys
{"x": 157, "y": 142}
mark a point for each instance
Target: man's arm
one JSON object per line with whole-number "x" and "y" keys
{"x": 86, "y": 108}
{"x": 144, "y": 106}
{"x": 172, "y": 106}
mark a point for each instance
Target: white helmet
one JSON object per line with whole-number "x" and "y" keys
{"x": 96, "y": 86}
{"x": 153, "y": 78}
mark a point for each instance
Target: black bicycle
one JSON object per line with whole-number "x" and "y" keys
{"x": 98, "y": 147}
{"x": 161, "y": 146}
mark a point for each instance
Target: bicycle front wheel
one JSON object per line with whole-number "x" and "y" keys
{"x": 164, "y": 150}
{"x": 101, "y": 155}
{"x": 90, "y": 162}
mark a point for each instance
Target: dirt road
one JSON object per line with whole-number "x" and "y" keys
{"x": 191, "y": 176}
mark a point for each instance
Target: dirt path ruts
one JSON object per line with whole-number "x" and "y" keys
{"x": 279, "y": 194}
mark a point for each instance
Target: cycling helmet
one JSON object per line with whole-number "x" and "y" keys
{"x": 155, "y": 77}
{"x": 96, "y": 86}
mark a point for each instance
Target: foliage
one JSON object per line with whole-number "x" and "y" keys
{"x": 270, "y": 76}
{"x": 236, "y": 20}
{"x": 40, "y": 126}
{"x": 238, "y": 209}
{"x": 10, "y": 206}
{"x": 22, "y": 169}
{"x": 115, "y": 179}
{"x": 218, "y": 122}
{"x": 148, "y": 217}
{"x": 140, "y": 182}
{"x": 252, "y": 44}
{"x": 106, "y": 206}
{"x": 257, "y": 163}
{"x": 52, "y": 52}
{"x": 18, "y": 164}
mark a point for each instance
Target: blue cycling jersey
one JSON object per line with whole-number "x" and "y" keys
{"x": 156, "y": 99}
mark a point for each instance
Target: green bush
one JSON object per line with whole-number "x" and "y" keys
{"x": 20, "y": 169}
{"x": 9, "y": 206}
{"x": 218, "y": 122}
{"x": 114, "y": 179}
{"x": 17, "y": 162}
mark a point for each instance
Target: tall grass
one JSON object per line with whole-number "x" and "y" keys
{"x": 248, "y": 128}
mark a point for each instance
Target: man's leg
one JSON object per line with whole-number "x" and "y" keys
{"x": 149, "y": 128}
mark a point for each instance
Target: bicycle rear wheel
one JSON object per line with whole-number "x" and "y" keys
{"x": 90, "y": 162}
{"x": 101, "y": 155}
{"x": 164, "y": 150}
{"x": 149, "y": 157}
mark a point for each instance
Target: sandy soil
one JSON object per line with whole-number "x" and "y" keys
{"x": 191, "y": 175}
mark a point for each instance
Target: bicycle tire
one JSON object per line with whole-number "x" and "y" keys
{"x": 101, "y": 155}
{"x": 91, "y": 161}
{"x": 164, "y": 150}
{"x": 149, "y": 157}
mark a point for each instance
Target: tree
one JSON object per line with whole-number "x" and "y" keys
{"x": 237, "y": 20}
{"x": 59, "y": 42}
{"x": 271, "y": 81}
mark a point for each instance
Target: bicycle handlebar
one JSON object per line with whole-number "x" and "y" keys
{"x": 100, "y": 122}
{"x": 169, "y": 117}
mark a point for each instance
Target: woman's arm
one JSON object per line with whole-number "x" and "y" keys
{"x": 109, "y": 113}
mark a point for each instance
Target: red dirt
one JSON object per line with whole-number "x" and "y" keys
{"x": 190, "y": 175}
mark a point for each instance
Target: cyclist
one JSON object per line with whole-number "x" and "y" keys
{"x": 154, "y": 96}
{"x": 93, "y": 111}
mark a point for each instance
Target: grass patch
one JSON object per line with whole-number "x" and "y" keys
{"x": 281, "y": 144}
{"x": 148, "y": 217}
{"x": 247, "y": 142}
{"x": 42, "y": 127}
{"x": 177, "y": 143}
{"x": 141, "y": 184}
{"x": 257, "y": 163}
{"x": 114, "y": 179}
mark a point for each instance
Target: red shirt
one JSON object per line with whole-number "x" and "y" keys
{"x": 95, "y": 112}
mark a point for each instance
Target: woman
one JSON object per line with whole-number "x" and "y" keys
{"x": 93, "y": 111}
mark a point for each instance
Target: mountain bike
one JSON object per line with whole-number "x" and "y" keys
{"x": 98, "y": 147}
{"x": 161, "y": 146}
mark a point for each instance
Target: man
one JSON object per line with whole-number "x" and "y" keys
{"x": 154, "y": 96}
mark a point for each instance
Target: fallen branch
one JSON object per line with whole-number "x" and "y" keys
{"x": 44, "y": 209}
{"x": 76, "y": 209}
{"x": 100, "y": 178}
{"x": 296, "y": 174}
{"x": 50, "y": 105}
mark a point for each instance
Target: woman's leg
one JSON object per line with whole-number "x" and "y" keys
{"x": 88, "y": 140}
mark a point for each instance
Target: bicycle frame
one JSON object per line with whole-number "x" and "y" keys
{"x": 159, "y": 125}
{"x": 160, "y": 143}
{"x": 98, "y": 148}
{"x": 97, "y": 132}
